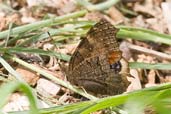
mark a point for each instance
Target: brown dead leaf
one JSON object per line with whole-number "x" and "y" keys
{"x": 29, "y": 76}
{"x": 27, "y": 16}
{"x": 126, "y": 53}
{"x": 152, "y": 17}
{"x": 5, "y": 20}
{"x": 148, "y": 8}
{"x": 156, "y": 24}
{"x": 168, "y": 78}
{"x": 67, "y": 7}
{"x": 14, "y": 18}
{"x": 2, "y": 22}
{"x": 151, "y": 77}
{"x": 135, "y": 82}
{"x": 115, "y": 14}
{"x": 25, "y": 19}
{"x": 140, "y": 21}
{"x": 94, "y": 16}
{"x": 146, "y": 58}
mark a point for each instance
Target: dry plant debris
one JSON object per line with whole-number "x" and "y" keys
{"x": 150, "y": 14}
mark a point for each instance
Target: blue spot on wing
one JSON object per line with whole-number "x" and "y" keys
{"x": 116, "y": 66}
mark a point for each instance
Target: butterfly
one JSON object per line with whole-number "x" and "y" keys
{"x": 97, "y": 64}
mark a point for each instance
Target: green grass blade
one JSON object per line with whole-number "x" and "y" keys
{"x": 37, "y": 51}
{"x": 40, "y": 24}
{"x": 121, "y": 99}
{"x": 159, "y": 66}
{"x": 91, "y": 106}
{"x": 10, "y": 69}
{"x": 7, "y": 90}
{"x": 10, "y": 87}
{"x": 53, "y": 32}
{"x": 143, "y": 34}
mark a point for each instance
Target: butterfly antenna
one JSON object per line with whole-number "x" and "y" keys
{"x": 63, "y": 70}
{"x": 60, "y": 55}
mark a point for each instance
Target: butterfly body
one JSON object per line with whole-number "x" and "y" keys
{"x": 96, "y": 64}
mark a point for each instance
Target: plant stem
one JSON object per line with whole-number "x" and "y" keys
{"x": 149, "y": 51}
{"x": 53, "y": 78}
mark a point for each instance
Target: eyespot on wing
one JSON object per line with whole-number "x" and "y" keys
{"x": 114, "y": 56}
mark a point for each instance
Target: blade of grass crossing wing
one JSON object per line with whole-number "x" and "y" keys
{"x": 10, "y": 87}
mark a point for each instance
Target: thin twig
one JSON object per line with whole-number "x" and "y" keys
{"x": 150, "y": 51}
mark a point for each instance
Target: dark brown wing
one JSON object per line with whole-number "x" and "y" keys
{"x": 90, "y": 65}
{"x": 100, "y": 39}
{"x": 83, "y": 51}
{"x": 103, "y": 34}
